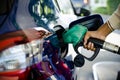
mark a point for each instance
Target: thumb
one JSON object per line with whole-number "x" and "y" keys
{"x": 87, "y": 36}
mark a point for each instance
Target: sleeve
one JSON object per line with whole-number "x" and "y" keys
{"x": 114, "y": 20}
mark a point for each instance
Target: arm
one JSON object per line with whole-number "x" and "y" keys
{"x": 19, "y": 37}
{"x": 112, "y": 24}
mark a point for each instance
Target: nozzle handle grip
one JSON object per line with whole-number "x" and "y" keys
{"x": 88, "y": 58}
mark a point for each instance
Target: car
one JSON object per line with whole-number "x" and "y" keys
{"x": 32, "y": 44}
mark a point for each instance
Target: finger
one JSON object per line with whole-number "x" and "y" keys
{"x": 86, "y": 37}
{"x": 92, "y": 47}
{"x": 85, "y": 46}
{"x": 86, "y": 40}
{"x": 89, "y": 46}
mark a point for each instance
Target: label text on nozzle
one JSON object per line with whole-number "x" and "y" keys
{"x": 110, "y": 47}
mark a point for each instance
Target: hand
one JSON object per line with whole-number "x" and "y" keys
{"x": 89, "y": 45}
{"x": 19, "y": 37}
{"x": 100, "y": 33}
{"x": 94, "y": 34}
{"x": 32, "y": 34}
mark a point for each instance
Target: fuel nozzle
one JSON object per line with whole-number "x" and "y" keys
{"x": 75, "y": 34}
{"x": 59, "y": 30}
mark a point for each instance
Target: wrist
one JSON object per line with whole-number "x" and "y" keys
{"x": 103, "y": 31}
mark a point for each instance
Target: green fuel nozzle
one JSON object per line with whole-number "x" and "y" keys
{"x": 75, "y": 34}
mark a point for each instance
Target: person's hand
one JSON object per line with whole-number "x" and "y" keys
{"x": 19, "y": 37}
{"x": 100, "y": 33}
{"x": 32, "y": 34}
{"x": 94, "y": 34}
{"x": 88, "y": 45}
